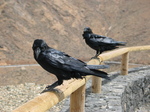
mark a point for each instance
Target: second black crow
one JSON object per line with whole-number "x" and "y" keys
{"x": 100, "y": 43}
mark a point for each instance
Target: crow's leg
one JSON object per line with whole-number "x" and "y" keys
{"x": 97, "y": 54}
{"x": 50, "y": 87}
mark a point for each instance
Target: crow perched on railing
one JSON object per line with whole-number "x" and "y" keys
{"x": 100, "y": 43}
{"x": 62, "y": 65}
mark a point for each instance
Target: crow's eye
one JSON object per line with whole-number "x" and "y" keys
{"x": 33, "y": 47}
{"x": 43, "y": 48}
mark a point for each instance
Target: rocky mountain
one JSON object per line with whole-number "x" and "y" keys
{"x": 60, "y": 23}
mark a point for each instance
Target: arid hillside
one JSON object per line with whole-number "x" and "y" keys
{"x": 60, "y": 23}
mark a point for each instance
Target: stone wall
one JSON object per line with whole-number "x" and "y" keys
{"x": 121, "y": 94}
{"x": 136, "y": 93}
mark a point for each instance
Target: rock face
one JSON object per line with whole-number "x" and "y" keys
{"x": 60, "y": 23}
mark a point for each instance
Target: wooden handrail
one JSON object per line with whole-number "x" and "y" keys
{"x": 47, "y": 100}
{"x": 139, "y": 48}
{"x": 75, "y": 87}
{"x": 112, "y": 54}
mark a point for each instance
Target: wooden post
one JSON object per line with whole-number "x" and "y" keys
{"x": 96, "y": 81}
{"x": 124, "y": 64}
{"x": 96, "y": 84}
{"x": 77, "y": 100}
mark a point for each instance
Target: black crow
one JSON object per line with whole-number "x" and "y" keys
{"x": 100, "y": 43}
{"x": 62, "y": 65}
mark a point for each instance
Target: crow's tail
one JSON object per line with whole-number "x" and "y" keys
{"x": 92, "y": 70}
{"x": 97, "y": 73}
{"x": 121, "y": 43}
{"x": 101, "y": 74}
{"x": 93, "y": 67}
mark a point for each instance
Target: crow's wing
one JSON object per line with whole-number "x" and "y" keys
{"x": 63, "y": 61}
{"x": 101, "y": 39}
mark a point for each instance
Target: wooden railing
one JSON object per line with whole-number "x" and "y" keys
{"x": 76, "y": 88}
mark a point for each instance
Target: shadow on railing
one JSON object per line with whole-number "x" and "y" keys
{"x": 76, "y": 88}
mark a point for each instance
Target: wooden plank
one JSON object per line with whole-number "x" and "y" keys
{"x": 112, "y": 54}
{"x": 139, "y": 48}
{"x": 47, "y": 100}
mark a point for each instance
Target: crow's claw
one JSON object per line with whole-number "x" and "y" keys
{"x": 47, "y": 89}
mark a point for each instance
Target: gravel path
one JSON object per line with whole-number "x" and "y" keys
{"x": 12, "y": 96}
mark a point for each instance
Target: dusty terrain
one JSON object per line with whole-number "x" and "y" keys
{"x": 60, "y": 23}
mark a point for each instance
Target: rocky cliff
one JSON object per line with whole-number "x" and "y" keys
{"x": 60, "y": 23}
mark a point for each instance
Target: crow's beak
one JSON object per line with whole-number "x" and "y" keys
{"x": 37, "y": 52}
{"x": 84, "y": 30}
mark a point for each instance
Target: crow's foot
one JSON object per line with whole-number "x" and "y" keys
{"x": 96, "y": 58}
{"x": 47, "y": 89}
{"x": 50, "y": 87}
